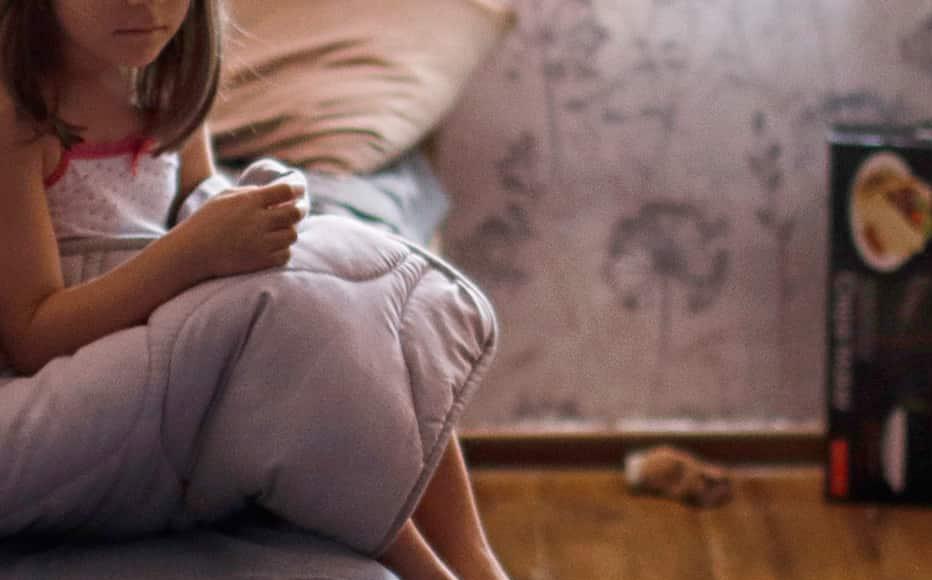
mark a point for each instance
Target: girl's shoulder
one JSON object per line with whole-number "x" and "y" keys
{"x": 19, "y": 142}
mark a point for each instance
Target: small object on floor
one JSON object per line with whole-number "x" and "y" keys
{"x": 676, "y": 474}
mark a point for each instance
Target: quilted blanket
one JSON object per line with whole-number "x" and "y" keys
{"x": 323, "y": 392}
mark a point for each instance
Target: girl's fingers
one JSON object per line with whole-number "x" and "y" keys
{"x": 280, "y": 239}
{"x": 277, "y": 194}
{"x": 284, "y": 216}
{"x": 280, "y": 258}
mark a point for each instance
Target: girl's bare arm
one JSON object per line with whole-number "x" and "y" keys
{"x": 41, "y": 319}
{"x": 197, "y": 162}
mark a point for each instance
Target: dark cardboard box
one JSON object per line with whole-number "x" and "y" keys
{"x": 879, "y": 315}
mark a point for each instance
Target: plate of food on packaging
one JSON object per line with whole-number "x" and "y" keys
{"x": 890, "y": 211}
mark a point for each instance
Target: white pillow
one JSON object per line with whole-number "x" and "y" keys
{"x": 347, "y": 85}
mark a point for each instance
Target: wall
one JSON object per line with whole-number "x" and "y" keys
{"x": 640, "y": 185}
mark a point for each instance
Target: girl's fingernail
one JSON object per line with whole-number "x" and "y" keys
{"x": 297, "y": 190}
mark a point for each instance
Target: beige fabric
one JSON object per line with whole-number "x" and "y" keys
{"x": 347, "y": 85}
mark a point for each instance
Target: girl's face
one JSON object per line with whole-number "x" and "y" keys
{"x": 100, "y": 34}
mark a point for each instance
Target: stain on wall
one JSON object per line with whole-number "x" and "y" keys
{"x": 640, "y": 185}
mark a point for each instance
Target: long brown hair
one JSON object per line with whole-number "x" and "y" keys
{"x": 175, "y": 92}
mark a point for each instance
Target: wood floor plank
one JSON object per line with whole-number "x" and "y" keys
{"x": 734, "y": 536}
{"x": 800, "y": 540}
{"x": 585, "y": 524}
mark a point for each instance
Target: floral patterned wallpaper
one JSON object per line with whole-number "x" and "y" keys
{"x": 640, "y": 185}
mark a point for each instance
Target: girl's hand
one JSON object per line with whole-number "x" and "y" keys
{"x": 242, "y": 230}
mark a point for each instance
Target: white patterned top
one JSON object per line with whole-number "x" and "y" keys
{"x": 112, "y": 190}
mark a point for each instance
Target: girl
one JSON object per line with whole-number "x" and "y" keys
{"x": 90, "y": 82}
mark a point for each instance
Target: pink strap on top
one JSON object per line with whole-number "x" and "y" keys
{"x": 134, "y": 145}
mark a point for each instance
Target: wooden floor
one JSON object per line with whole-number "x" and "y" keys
{"x": 584, "y": 524}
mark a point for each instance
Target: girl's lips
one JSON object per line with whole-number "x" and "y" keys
{"x": 140, "y": 31}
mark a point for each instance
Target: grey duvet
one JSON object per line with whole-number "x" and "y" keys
{"x": 322, "y": 393}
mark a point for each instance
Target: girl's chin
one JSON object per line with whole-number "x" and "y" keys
{"x": 126, "y": 61}
{"x": 139, "y": 53}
